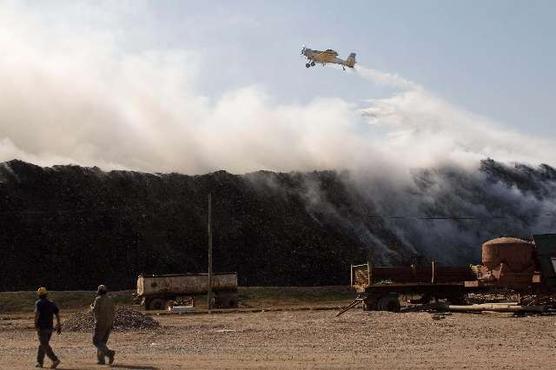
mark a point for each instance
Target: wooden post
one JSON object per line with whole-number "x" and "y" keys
{"x": 433, "y": 271}
{"x": 369, "y": 272}
{"x": 209, "y": 293}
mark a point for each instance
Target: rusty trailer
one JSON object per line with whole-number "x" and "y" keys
{"x": 162, "y": 291}
{"x": 380, "y": 288}
{"x": 525, "y": 267}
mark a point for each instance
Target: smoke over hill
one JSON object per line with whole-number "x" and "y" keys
{"x": 76, "y": 226}
{"x": 396, "y": 176}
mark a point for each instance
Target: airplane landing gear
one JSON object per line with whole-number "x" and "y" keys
{"x": 307, "y": 65}
{"x": 312, "y": 64}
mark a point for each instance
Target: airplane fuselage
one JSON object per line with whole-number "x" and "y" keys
{"x": 327, "y": 56}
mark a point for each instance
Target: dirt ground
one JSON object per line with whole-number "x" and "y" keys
{"x": 305, "y": 339}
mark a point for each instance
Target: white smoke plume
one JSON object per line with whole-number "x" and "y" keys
{"x": 84, "y": 98}
{"x": 386, "y": 79}
{"x": 81, "y": 98}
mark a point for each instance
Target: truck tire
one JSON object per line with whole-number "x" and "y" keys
{"x": 226, "y": 300}
{"x": 389, "y": 302}
{"x": 155, "y": 304}
{"x": 220, "y": 302}
{"x": 234, "y": 302}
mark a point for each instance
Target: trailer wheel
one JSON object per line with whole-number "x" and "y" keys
{"x": 369, "y": 304}
{"x": 457, "y": 299}
{"x": 389, "y": 302}
{"x": 155, "y": 304}
{"x": 226, "y": 300}
{"x": 233, "y": 303}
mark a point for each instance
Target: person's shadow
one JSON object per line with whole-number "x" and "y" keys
{"x": 134, "y": 367}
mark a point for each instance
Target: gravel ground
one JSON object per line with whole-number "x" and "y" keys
{"x": 305, "y": 339}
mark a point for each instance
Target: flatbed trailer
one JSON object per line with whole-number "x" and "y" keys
{"x": 380, "y": 288}
{"x": 526, "y": 268}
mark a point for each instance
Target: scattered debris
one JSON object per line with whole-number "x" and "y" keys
{"x": 438, "y": 316}
{"x": 493, "y": 296}
{"x": 124, "y": 319}
{"x": 181, "y": 309}
{"x": 495, "y": 307}
{"x": 225, "y": 331}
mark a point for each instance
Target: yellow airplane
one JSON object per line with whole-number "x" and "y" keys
{"x": 327, "y": 56}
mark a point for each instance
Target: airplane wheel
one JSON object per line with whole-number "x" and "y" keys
{"x": 307, "y": 65}
{"x": 312, "y": 64}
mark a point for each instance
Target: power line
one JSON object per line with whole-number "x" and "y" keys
{"x": 463, "y": 218}
{"x": 391, "y": 217}
{"x": 440, "y": 217}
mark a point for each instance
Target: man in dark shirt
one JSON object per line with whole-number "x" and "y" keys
{"x": 45, "y": 310}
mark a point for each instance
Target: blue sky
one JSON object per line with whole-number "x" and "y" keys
{"x": 496, "y": 58}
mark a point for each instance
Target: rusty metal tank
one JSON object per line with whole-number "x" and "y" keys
{"x": 507, "y": 262}
{"x": 516, "y": 254}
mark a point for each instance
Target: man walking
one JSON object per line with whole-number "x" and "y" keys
{"x": 45, "y": 310}
{"x": 103, "y": 311}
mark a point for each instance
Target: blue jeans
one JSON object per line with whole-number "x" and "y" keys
{"x": 44, "y": 346}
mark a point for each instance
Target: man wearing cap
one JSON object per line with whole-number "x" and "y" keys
{"x": 103, "y": 311}
{"x": 45, "y": 310}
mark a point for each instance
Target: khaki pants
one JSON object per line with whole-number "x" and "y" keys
{"x": 100, "y": 338}
{"x": 44, "y": 346}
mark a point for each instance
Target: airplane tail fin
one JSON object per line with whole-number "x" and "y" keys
{"x": 350, "y": 61}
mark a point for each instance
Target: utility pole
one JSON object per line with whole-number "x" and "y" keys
{"x": 209, "y": 294}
